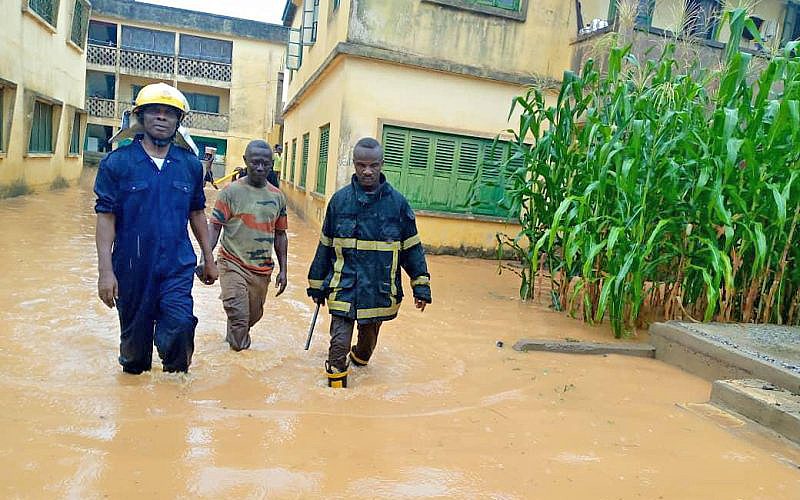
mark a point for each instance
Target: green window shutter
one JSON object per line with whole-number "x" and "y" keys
{"x": 489, "y": 189}
{"x": 467, "y": 163}
{"x": 41, "y": 140}
{"x": 441, "y": 184}
{"x": 294, "y": 160}
{"x": 395, "y": 155}
{"x": 75, "y": 136}
{"x": 439, "y": 171}
{"x": 304, "y": 162}
{"x": 790, "y": 26}
{"x": 80, "y": 23}
{"x": 322, "y": 162}
{"x": 644, "y": 13}
{"x": 47, "y": 9}
{"x": 417, "y": 175}
{"x": 500, "y": 4}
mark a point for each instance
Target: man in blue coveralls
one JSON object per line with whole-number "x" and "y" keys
{"x": 147, "y": 191}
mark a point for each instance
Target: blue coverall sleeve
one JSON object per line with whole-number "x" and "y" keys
{"x": 412, "y": 257}
{"x": 105, "y": 187}
{"x": 198, "y": 195}
{"x": 322, "y": 264}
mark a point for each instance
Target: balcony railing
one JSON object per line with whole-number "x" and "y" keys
{"x": 97, "y": 106}
{"x": 102, "y": 55}
{"x": 204, "y": 69}
{"x": 165, "y": 64}
{"x": 199, "y": 120}
{"x": 206, "y": 121}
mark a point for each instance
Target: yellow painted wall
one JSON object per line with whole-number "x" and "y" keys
{"x": 540, "y": 45}
{"x": 321, "y": 106}
{"x": 253, "y": 95}
{"x": 332, "y": 29}
{"x": 39, "y": 59}
{"x": 367, "y": 93}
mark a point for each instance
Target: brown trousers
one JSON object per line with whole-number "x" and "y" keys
{"x": 243, "y": 296}
{"x": 342, "y": 338}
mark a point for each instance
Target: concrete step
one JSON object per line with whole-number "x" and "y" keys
{"x": 577, "y": 347}
{"x": 762, "y": 402}
{"x": 727, "y": 352}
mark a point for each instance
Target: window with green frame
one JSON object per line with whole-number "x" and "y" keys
{"x": 436, "y": 171}
{"x": 322, "y": 160}
{"x": 41, "y": 140}
{"x": 46, "y": 9}
{"x": 304, "y": 162}
{"x": 80, "y": 23}
{"x": 202, "y": 102}
{"x": 294, "y": 160}
{"x": 75, "y": 135}
{"x": 500, "y": 4}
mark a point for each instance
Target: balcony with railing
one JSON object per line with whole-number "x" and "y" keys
{"x": 198, "y": 120}
{"x": 99, "y": 107}
{"x": 135, "y": 62}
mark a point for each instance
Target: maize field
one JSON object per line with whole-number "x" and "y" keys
{"x": 659, "y": 190}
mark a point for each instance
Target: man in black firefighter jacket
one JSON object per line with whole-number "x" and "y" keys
{"x": 369, "y": 233}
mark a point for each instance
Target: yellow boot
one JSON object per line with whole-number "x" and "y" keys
{"x": 336, "y": 378}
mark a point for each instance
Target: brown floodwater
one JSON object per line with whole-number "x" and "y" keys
{"x": 440, "y": 412}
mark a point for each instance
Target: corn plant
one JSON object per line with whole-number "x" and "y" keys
{"x": 662, "y": 188}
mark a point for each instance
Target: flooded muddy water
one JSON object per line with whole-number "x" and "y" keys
{"x": 441, "y": 412}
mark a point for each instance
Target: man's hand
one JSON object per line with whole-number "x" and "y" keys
{"x": 281, "y": 282}
{"x": 107, "y": 288}
{"x": 319, "y": 300}
{"x": 210, "y": 272}
{"x": 420, "y": 304}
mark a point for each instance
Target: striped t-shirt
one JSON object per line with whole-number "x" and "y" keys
{"x": 249, "y": 216}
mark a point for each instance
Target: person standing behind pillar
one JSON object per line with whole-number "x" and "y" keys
{"x": 368, "y": 234}
{"x": 251, "y": 215}
{"x": 146, "y": 192}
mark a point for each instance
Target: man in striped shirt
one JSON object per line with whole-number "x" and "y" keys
{"x": 251, "y": 215}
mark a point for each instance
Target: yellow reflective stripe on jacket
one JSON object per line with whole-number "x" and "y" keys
{"x": 422, "y": 280}
{"x": 410, "y": 242}
{"x": 379, "y": 246}
{"x": 377, "y": 312}
{"x": 338, "y": 305}
{"x": 338, "y": 265}
{"x": 315, "y": 283}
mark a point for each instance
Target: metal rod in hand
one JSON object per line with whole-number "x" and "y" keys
{"x": 311, "y": 329}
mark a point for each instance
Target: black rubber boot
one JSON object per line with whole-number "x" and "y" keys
{"x": 356, "y": 360}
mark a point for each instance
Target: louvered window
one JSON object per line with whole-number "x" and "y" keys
{"x": 304, "y": 162}
{"x": 322, "y": 161}
{"x": 447, "y": 172}
{"x": 294, "y": 160}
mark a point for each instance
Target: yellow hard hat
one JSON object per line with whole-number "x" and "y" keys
{"x": 161, "y": 93}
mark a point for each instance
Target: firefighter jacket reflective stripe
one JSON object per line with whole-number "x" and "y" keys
{"x": 366, "y": 238}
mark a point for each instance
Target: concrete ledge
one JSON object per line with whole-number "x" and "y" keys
{"x": 701, "y": 355}
{"x": 567, "y": 347}
{"x": 761, "y": 402}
